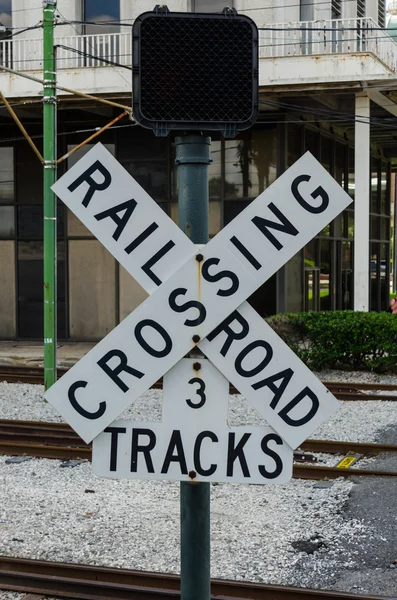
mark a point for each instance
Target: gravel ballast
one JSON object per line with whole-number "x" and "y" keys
{"x": 294, "y": 534}
{"x": 354, "y": 421}
{"x": 67, "y": 514}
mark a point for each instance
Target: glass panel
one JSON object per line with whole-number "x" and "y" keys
{"x": 102, "y": 11}
{"x": 374, "y": 185}
{"x": 325, "y": 275}
{"x": 233, "y": 169}
{"x": 310, "y": 290}
{"x": 306, "y": 10}
{"x": 374, "y": 276}
{"x": 232, "y": 209}
{"x": 384, "y": 287}
{"x": 310, "y": 254}
{"x": 347, "y": 276}
{"x": 29, "y": 174}
{"x": 384, "y": 200}
{"x": 215, "y": 171}
{"x": 350, "y": 224}
{"x": 326, "y": 152}
{"x": 6, "y": 175}
{"x": 30, "y": 290}
{"x": 145, "y": 157}
{"x": 327, "y": 230}
{"x": 7, "y": 225}
{"x": 30, "y": 221}
{"x": 351, "y": 182}
{"x": 384, "y": 228}
{"x": 262, "y": 160}
{"x": 374, "y": 228}
{"x": 294, "y": 143}
{"x": 311, "y": 286}
{"x": 312, "y": 141}
{"x": 76, "y": 156}
{"x": 5, "y": 13}
{"x": 250, "y": 164}
{"x": 340, "y": 164}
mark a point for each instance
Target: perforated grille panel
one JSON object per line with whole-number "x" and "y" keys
{"x": 196, "y": 69}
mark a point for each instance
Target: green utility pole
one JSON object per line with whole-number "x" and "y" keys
{"x": 50, "y": 229}
{"x": 193, "y": 158}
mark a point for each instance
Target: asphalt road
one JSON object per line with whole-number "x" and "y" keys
{"x": 374, "y": 501}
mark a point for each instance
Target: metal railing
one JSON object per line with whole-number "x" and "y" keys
{"x": 73, "y": 52}
{"x": 331, "y": 36}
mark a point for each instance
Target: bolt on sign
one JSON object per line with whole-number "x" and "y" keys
{"x": 197, "y": 298}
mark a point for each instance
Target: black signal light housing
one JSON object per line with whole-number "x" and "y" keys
{"x": 195, "y": 71}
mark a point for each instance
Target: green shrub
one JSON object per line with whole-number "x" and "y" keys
{"x": 341, "y": 339}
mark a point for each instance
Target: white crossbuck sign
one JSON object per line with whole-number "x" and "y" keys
{"x": 197, "y": 298}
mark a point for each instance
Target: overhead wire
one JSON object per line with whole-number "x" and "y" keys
{"x": 23, "y": 30}
{"x": 63, "y": 133}
{"x": 337, "y": 116}
{"x": 92, "y": 48}
{"x": 323, "y": 111}
{"x": 93, "y": 56}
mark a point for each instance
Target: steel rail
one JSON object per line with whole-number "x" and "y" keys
{"x": 318, "y": 473}
{"x": 21, "y": 432}
{"x": 361, "y": 385}
{"x": 336, "y": 447}
{"x": 300, "y": 471}
{"x": 93, "y": 583}
{"x": 59, "y": 441}
{"x": 341, "y": 390}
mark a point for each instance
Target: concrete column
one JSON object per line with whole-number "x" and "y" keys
{"x": 362, "y": 202}
{"x": 371, "y": 9}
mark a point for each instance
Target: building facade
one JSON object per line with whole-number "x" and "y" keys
{"x": 326, "y": 82}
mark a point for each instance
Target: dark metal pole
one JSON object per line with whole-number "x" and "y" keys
{"x": 193, "y": 158}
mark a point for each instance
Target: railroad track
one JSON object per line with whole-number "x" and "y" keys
{"x": 59, "y": 441}
{"x": 91, "y": 583}
{"x": 341, "y": 390}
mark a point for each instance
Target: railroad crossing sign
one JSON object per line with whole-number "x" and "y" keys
{"x": 198, "y": 297}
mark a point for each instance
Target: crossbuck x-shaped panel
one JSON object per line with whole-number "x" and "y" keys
{"x": 197, "y": 297}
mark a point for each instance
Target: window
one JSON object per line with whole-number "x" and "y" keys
{"x": 361, "y": 9}
{"x": 210, "y": 6}
{"x": 104, "y": 11}
{"x": 306, "y": 10}
{"x": 30, "y": 290}
{"x": 336, "y": 9}
{"x": 5, "y": 13}
{"x": 381, "y": 13}
{"x": 6, "y": 175}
